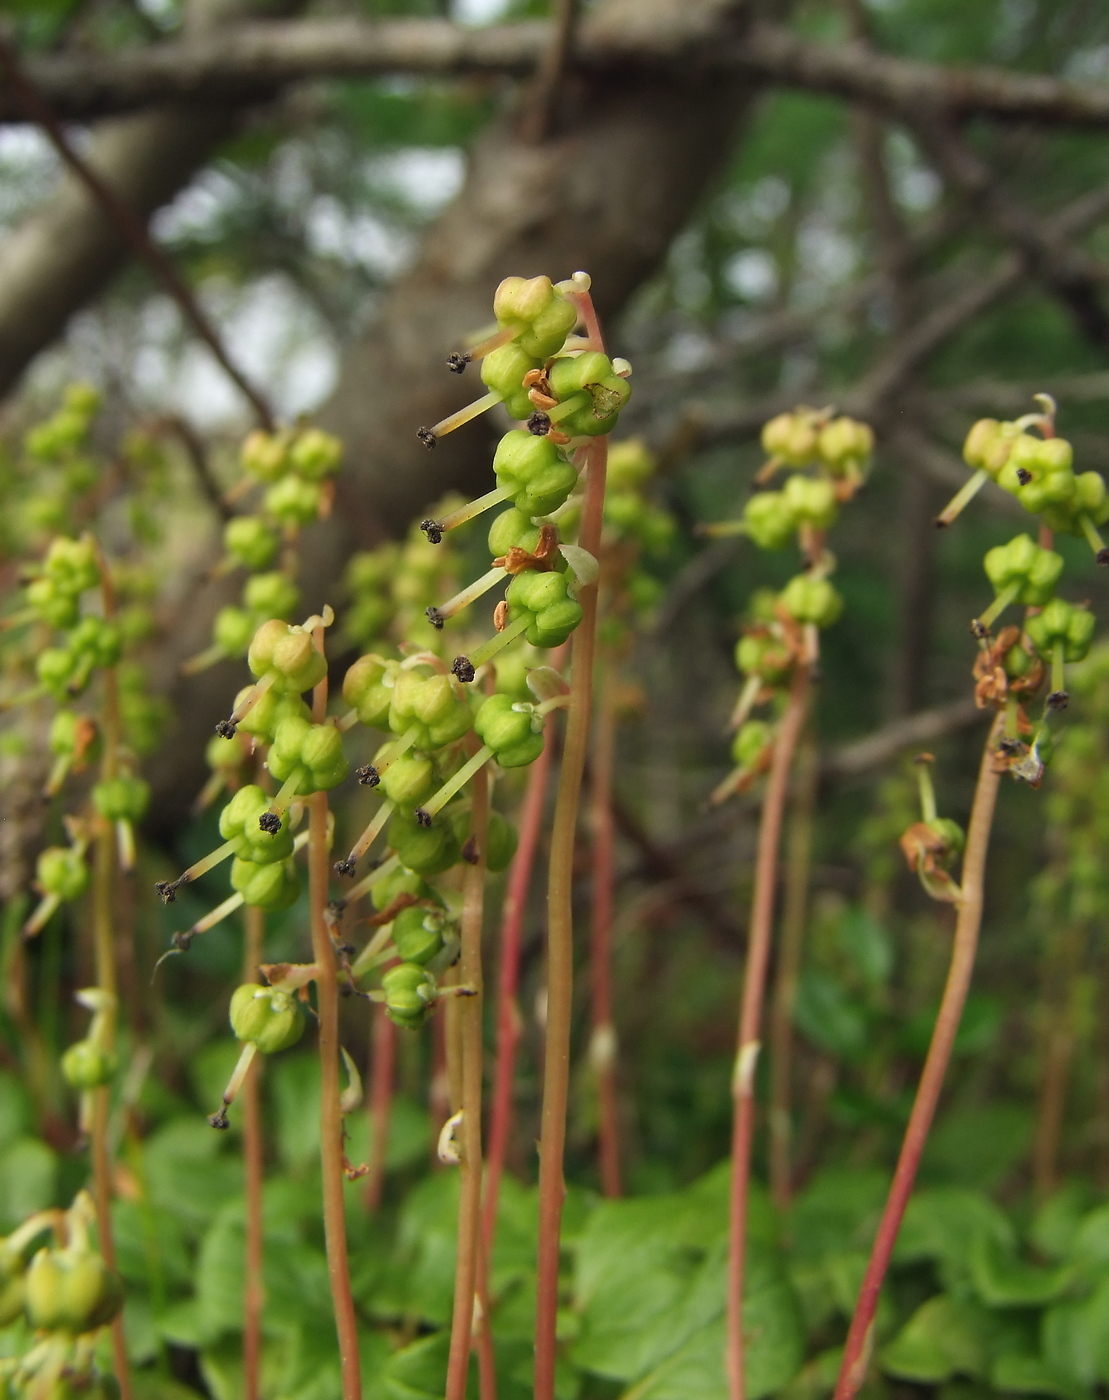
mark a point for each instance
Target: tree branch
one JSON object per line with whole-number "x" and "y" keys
{"x": 254, "y": 60}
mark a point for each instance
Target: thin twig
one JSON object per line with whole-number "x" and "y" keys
{"x": 127, "y": 224}
{"x": 195, "y": 451}
{"x": 602, "y": 1046}
{"x": 382, "y": 1074}
{"x": 538, "y": 118}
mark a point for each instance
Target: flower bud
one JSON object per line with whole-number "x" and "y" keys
{"x": 249, "y": 541}
{"x": 266, "y": 1017}
{"x": 409, "y": 991}
{"x": 315, "y": 454}
{"x": 86, "y": 1065}
{"x": 298, "y": 662}
{"x": 533, "y": 472}
{"x": 988, "y": 445}
{"x": 260, "y": 656}
{"x": 271, "y": 595}
{"x": 71, "y": 564}
{"x": 62, "y": 872}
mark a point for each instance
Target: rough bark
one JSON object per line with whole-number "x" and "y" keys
{"x": 66, "y": 252}
{"x": 255, "y": 60}
{"x": 630, "y": 157}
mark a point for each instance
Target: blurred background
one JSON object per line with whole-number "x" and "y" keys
{"x": 870, "y": 204}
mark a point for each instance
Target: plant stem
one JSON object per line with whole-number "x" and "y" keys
{"x": 104, "y": 869}
{"x": 794, "y": 915}
{"x": 1063, "y": 961}
{"x": 856, "y": 1355}
{"x": 331, "y": 1116}
{"x": 467, "y": 1274}
{"x": 508, "y": 1011}
{"x": 560, "y": 941}
{"x": 602, "y": 1046}
{"x": 253, "y": 1167}
{"x": 754, "y": 983}
{"x": 382, "y": 1072}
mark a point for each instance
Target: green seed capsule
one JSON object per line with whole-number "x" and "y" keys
{"x": 503, "y": 371}
{"x": 531, "y": 470}
{"x": 263, "y": 1016}
{"x": 62, "y": 872}
{"x": 770, "y": 520}
{"x": 792, "y": 438}
{"x": 70, "y": 1290}
{"x": 265, "y": 456}
{"x": 293, "y": 501}
{"x": 512, "y": 529}
{"x": 232, "y": 629}
{"x": 514, "y": 734}
{"x": 54, "y": 606}
{"x": 418, "y": 934}
{"x": 812, "y": 500}
{"x": 86, "y": 1065}
{"x": 752, "y": 743}
{"x": 251, "y": 542}
{"x": 315, "y": 454}
{"x": 546, "y": 597}
{"x": 845, "y": 443}
{"x": 240, "y": 823}
{"x": 540, "y": 314}
{"x": 368, "y": 689}
{"x": 424, "y": 850}
{"x": 121, "y": 799}
{"x": 606, "y": 393}
{"x": 630, "y": 465}
{"x": 812, "y": 600}
{"x": 409, "y": 991}
{"x": 271, "y": 887}
{"x": 271, "y": 595}
{"x": 409, "y": 781}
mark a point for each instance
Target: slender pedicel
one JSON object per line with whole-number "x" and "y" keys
{"x": 489, "y": 649}
{"x": 1096, "y": 543}
{"x": 452, "y": 785}
{"x": 961, "y": 499}
{"x": 438, "y": 615}
{"x": 746, "y": 702}
{"x": 924, "y": 763}
{"x": 366, "y": 840}
{"x": 997, "y": 607}
{"x": 234, "y": 1084}
{"x": 226, "y": 727}
{"x": 367, "y": 883}
{"x": 168, "y": 888}
{"x": 435, "y": 529}
{"x": 430, "y": 436}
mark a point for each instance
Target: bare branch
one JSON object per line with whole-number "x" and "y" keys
{"x": 851, "y": 760}
{"x": 130, "y": 227}
{"x": 256, "y": 59}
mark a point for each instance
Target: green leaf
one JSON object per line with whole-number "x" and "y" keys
{"x": 826, "y": 1014}
{"x": 419, "y": 1371}
{"x": 867, "y": 944}
{"x": 943, "y": 1338}
{"x": 1028, "y": 1375}
{"x": 187, "y": 1175}
{"x": 295, "y": 1086}
{"x": 1056, "y": 1223}
{"x": 1089, "y": 1249}
{"x": 978, "y": 1146}
{"x": 1076, "y": 1336}
{"x": 1004, "y": 1281}
{"x": 28, "y": 1173}
{"x": 15, "y": 1110}
{"x": 838, "y": 1210}
{"x": 942, "y": 1224}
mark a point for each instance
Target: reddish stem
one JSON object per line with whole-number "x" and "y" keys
{"x": 602, "y": 1047}
{"x": 508, "y": 1011}
{"x": 860, "y": 1337}
{"x": 754, "y": 986}
{"x": 254, "y": 1170}
{"x": 560, "y": 943}
{"x": 382, "y": 1074}
{"x": 467, "y": 1276}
